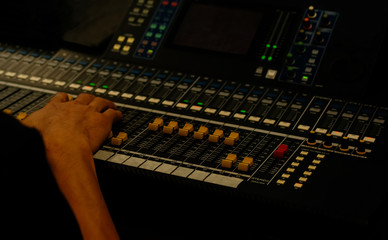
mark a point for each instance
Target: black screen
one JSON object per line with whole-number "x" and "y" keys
{"x": 218, "y": 28}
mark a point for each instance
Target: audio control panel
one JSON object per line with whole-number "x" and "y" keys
{"x": 221, "y": 96}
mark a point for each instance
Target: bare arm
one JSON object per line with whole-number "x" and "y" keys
{"x": 72, "y": 131}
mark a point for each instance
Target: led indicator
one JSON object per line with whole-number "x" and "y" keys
{"x": 243, "y": 111}
{"x": 200, "y": 103}
{"x": 92, "y": 84}
{"x": 186, "y": 101}
{"x": 274, "y": 46}
{"x": 268, "y": 45}
{"x": 263, "y": 57}
{"x": 104, "y": 86}
{"x": 269, "y": 58}
{"x": 305, "y": 78}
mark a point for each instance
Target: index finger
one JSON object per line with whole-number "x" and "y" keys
{"x": 113, "y": 115}
{"x": 60, "y": 97}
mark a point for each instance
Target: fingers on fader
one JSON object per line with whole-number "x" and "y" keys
{"x": 101, "y": 104}
{"x": 61, "y": 97}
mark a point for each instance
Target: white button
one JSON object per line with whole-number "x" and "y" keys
{"x": 271, "y": 74}
{"x": 284, "y": 124}
{"x": 195, "y": 108}
{"x": 210, "y": 110}
{"x": 303, "y": 127}
{"x": 60, "y": 83}
{"x": 140, "y": 98}
{"x": 87, "y": 88}
{"x": 100, "y": 90}
{"x": 225, "y": 113}
{"x": 269, "y": 121}
{"x": 239, "y": 116}
{"x": 168, "y": 103}
{"x": 113, "y": 93}
{"x": 182, "y": 105}
{"x": 154, "y": 100}
{"x": 254, "y": 118}
{"x": 74, "y": 85}
{"x": 126, "y": 95}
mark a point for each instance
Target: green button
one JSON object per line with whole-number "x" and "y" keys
{"x": 154, "y": 25}
{"x": 158, "y": 35}
{"x": 162, "y": 27}
{"x": 149, "y": 34}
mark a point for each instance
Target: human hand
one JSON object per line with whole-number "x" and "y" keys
{"x": 86, "y": 119}
{"x": 71, "y": 132}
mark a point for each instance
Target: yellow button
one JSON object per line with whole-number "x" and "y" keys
{"x": 201, "y": 133}
{"x": 154, "y": 126}
{"x": 187, "y": 128}
{"x": 21, "y": 116}
{"x": 120, "y": 39}
{"x": 123, "y": 136}
{"x": 232, "y": 157}
{"x": 248, "y": 160}
{"x": 216, "y": 136}
{"x": 126, "y": 48}
{"x": 116, "y": 141}
{"x": 130, "y": 40}
{"x": 226, "y": 163}
{"x": 7, "y": 111}
{"x": 245, "y": 164}
{"x": 169, "y": 129}
{"x": 231, "y": 140}
{"x": 116, "y": 47}
{"x": 243, "y": 167}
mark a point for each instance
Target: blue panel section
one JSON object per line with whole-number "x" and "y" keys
{"x": 156, "y": 30}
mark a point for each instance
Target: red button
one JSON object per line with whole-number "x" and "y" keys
{"x": 174, "y": 4}
{"x": 165, "y": 3}
{"x": 281, "y": 151}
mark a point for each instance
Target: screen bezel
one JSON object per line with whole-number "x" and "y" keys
{"x": 252, "y": 54}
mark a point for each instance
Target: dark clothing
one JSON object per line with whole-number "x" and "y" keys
{"x": 31, "y": 202}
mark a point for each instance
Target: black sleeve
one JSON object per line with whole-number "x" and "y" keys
{"x": 31, "y": 202}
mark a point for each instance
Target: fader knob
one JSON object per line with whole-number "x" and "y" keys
{"x": 311, "y": 12}
{"x": 325, "y": 21}
{"x": 307, "y": 24}
{"x": 319, "y": 39}
{"x": 291, "y": 74}
{"x": 312, "y": 138}
{"x": 302, "y": 35}
{"x": 361, "y": 147}
{"x": 328, "y": 143}
{"x": 344, "y": 146}
{"x": 290, "y": 59}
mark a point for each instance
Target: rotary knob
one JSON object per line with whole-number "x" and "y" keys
{"x": 311, "y": 13}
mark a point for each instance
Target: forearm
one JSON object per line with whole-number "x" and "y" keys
{"x": 79, "y": 185}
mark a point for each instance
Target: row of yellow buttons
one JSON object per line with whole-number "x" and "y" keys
{"x": 306, "y": 174}
{"x": 188, "y": 128}
{"x": 231, "y": 158}
{"x": 20, "y": 116}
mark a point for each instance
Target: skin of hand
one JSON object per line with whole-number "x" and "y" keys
{"x": 72, "y": 130}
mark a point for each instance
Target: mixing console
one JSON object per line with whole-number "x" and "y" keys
{"x": 270, "y": 133}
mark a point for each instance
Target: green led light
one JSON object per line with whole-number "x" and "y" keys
{"x": 268, "y": 45}
{"x": 269, "y": 59}
{"x": 79, "y": 82}
{"x": 186, "y": 101}
{"x": 243, "y": 111}
{"x": 200, "y": 103}
{"x": 92, "y": 84}
{"x": 274, "y": 46}
{"x": 104, "y": 86}
{"x": 305, "y": 78}
{"x": 263, "y": 57}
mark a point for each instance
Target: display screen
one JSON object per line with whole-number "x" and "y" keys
{"x": 218, "y": 28}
